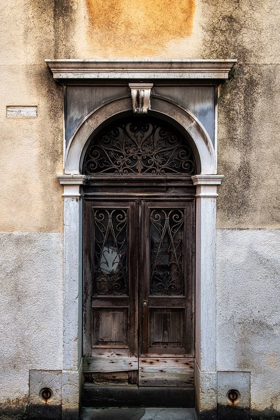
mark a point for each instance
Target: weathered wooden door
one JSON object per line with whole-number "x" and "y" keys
{"x": 138, "y": 290}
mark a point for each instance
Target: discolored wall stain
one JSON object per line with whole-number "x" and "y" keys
{"x": 137, "y": 28}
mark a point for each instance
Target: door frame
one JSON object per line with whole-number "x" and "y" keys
{"x": 139, "y": 208}
{"x": 206, "y": 194}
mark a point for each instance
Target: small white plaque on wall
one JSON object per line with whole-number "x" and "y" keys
{"x": 22, "y": 111}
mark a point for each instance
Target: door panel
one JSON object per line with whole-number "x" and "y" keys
{"x": 166, "y": 294}
{"x": 108, "y": 363}
{"x": 166, "y": 328}
{"x": 110, "y": 289}
{"x": 166, "y": 372}
{"x": 167, "y": 282}
{"x": 110, "y": 328}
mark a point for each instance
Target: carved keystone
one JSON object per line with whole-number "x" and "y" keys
{"x": 140, "y": 95}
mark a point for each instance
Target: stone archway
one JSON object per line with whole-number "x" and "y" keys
{"x": 162, "y": 106}
{"x": 206, "y": 182}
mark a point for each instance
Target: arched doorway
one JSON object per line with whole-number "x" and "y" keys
{"x": 139, "y": 255}
{"x": 205, "y": 183}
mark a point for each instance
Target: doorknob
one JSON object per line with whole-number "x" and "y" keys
{"x": 145, "y": 303}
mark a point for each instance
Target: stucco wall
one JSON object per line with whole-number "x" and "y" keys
{"x": 248, "y": 322}
{"x": 31, "y": 207}
{"x": 31, "y": 148}
{"x": 31, "y": 310}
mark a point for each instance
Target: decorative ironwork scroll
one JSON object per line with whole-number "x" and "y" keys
{"x": 139, "y": 146}
{"x": 110, "y": 273}
{"x": 166, "y": 236}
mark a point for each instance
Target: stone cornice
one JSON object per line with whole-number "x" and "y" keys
{"x": 71, "y": 179}
{"x": 207, "y": 179}
{"x": 67, "y": 70}
{"x": 207, "y": 185}
{"x": 71, "y": 185}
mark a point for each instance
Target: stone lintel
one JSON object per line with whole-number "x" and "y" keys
{"x": 67, "y": 70}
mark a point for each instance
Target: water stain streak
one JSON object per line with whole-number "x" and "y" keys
{"x": 134, "y": 28}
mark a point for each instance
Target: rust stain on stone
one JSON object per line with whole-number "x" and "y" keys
{"x": 135, "y": 28}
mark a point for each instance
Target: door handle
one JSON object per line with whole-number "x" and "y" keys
{"x": 145, "y": 303}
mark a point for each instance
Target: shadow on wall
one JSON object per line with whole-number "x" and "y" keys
{"x": 146, "y": 26}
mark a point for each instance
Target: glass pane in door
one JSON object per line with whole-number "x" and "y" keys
{"x": 110, "y": 268}
{"x": 166, "y": 241}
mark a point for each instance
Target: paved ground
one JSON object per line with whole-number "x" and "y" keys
{"x": 138, "y": 414}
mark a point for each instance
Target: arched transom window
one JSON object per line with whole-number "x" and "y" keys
{"x": 139, "y": 146}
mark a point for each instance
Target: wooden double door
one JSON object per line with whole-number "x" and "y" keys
{"x": 138, "y": 283}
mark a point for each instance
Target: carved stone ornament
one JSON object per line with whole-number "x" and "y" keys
{"x": 140, "y": 95}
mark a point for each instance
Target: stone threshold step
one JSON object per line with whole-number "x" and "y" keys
{"x": 126, "y": 396}
{"x": 138, "y": 414}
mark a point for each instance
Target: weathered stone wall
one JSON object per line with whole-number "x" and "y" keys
{"x": 31, "y": 207}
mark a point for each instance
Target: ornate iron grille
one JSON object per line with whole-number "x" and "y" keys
{"x": 110, "y": 276}
{"x": 166, "y": 233}
{"x": 139, "y": 146}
